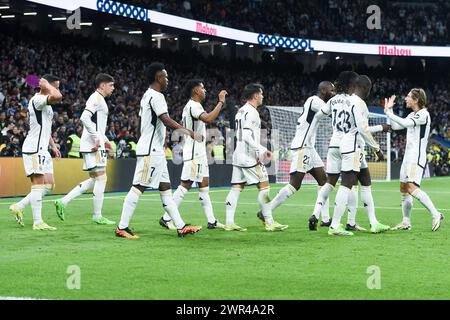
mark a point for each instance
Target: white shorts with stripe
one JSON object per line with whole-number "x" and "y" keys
{"x": 195, "y": 170}
{"x": 95, "y": 160}
{"x": 151, "y": 171}
{"x": 38, "y": 163}
{"x": 249, "y": 176}
{"x": 352, "y": 161}
{"x": 304, "y": 160}
{"x": 334, "y": 160}
{"x": 411, "y": 172}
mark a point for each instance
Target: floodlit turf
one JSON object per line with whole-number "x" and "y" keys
{"x": 214, "y": 264}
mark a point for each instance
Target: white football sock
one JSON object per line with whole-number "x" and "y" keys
{"x": 48, "y": 188}
{"x": 205, "y": 200}
{"x": 171, "y": 208}
{"x": 322, "y": 197}
{"x": 352, "y": 206}
{"x": 264, "y": 204}
{"x": 325, "y": 210}
{"x": 36, "y": 202}
{"x": 78, "y": 190}
{"x": 407, "y": 205}
{"x": 282, "y": 195}
{"x": 99, "y": 195}
{"x": 339, "y": 206}
{"x": 178, "y": 195}
{"x": 369, "y": 206}
{"x": 426, "y": 201}
{"x": 129, "y": 205}
{"x": 231, "y": 204}
{"x": 23, "y": 203}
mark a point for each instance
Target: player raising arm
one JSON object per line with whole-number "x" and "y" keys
{"x": 195, "y": 166}
{"x": 36, "y": 158}
{"x": 417, "y": 124}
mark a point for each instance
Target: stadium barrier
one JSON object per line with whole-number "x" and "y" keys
{"x": 68, "y": 173}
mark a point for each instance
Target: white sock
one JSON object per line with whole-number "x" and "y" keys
{"x": 426, "y": 201}
{"x": 23, "y": 203}
{"x": 282, "y": 195}
{"x": 171, "y": 208}
{"x": 99, "y": 195}
{"x": 367, "y": 199}
{"x": 339, "y": 205}
{"x": 325, "y": 210}
{"x": 264, "y": 204}
{"x": 352, "y": 206}
{"x": 205, "y": 200}
{"x": 48, "y": 188}
{"x": 407, "y": 205}
{"x": 36, "y": 202}
{"x": 78, "y": 190}
{"x": 178, "y": 195}
{"x": 322, "y": 197}
{"x": 231, "y": 204}
{"x": 129, "y": 205}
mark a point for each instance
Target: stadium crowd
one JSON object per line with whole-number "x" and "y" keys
{"x": 77, "y": 60}
{"x": 412, "y": 22}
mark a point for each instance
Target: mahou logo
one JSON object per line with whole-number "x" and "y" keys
{"x": 205, "y": 29}
{"x": 393, "y": 51}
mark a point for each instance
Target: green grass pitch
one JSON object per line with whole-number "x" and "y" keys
{"x": 214, "y": 264}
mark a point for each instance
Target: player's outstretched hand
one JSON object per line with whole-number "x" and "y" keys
{"x": 386, "y": 127}
{"x": 389, "y": 103}
{"x": 222, "y": 96}
{"x": 379, "y": 154}
{"x": 97, "y": 145}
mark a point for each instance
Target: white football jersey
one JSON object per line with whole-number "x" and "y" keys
{"x": 355, "y": 123}
{"x": 305, "y": 133}
{"x": 417, "y": 137}
{"x": 191, "y": 114}
{"x": 335, "y": 107}
{"x": 40, "y": 117}
{"x": 153, "y": 130}
{"x": 247, "y": 118}
{"x": 97, "y": 107}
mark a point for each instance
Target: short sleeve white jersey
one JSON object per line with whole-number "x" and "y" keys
{"x": 40, "y": 121}
{"x": 153, "y": 130}
{"x": 305, "y": 133}
{"x": 191, "y": 120}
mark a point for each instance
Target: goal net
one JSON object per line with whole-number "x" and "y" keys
{"x": 284, "y": 122}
